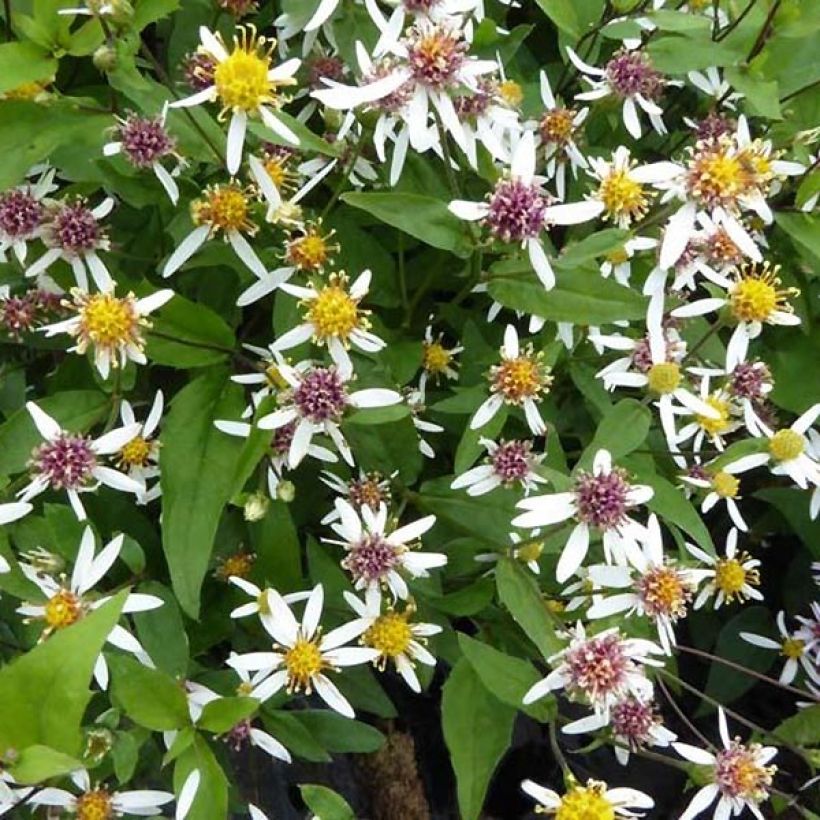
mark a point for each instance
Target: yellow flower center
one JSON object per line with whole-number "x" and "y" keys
{"x": 664, "y": 591}
{"x": 555, "y": 606}
{"x": 309, "y": 252}
{"x": 717, "y": 175}
{"x": 390, "y": 634}
{"x": 793, "y": 648}
{"x": 108, "y": 321}
{"x": 530, "y": 552}
{"x": 63, "y": 609}
{"x": 333, "y": 312}
{"x": 585, "y": 803}
{"x": 238, "y": 564}
{"x": 302, "y": 661}
{"x": 511, "y": 92}
{"x": 786, "y": 445}
{"x": 25, "y": 91}
{"x": 277, "y": 171}
{"x": 757, "y": 295}
{"x": 94, "y": 805}
{"x": 244, "y": 689}
{"x": 664, "y": 377}
{"x": 617, "y": 257}
{"x": 622, "y": 197}
{"x": 719, "y": 425}
{"x": 242, "y": 79}
{"x": 224, "y": 208}
{"x": 436, "y": 358}
{"x": 136, "y": 453}
{"x": 521, "y": 378}
{"x": 725, "y": 484}
{"x": 731, "y": 576}
{"x": 557, "y": 126}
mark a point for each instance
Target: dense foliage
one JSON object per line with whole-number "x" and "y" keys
{"x": 408, "y": 408}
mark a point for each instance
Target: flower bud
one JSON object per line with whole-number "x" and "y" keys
{"x": 286, "y": 491}
{"x": 256, "y": 506}
{"x": 105, "y": 58}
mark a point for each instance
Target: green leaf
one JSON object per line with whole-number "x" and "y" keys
{"x": 790, "y": 358}
{"x": 378, "y": 415}
{"x": 75, "y": 411}
{"x": 38, "y": 763}
{"x": 325, "y": 803}
{"x": 278, "y": 548}
{"x": 581, "y": 297}
{"x": 162, "y": 631}
{"x": 507, "y": 677}
{"x": 623, "y": 429}
{"x": 562, "y": 13}
{"x": 386, "y": 447}
{"x": 793, "y": 505}
{"x": 424, "y": 217}
{"x": 294, "y": 736}
{"x": 198, "y": 463}
{"x": 723, "y": 683}
{"x": 681, "y": 21}
{"x": 802, "y": 729}
{"x": 149, "y": 697}
{"x": 804, "y": 229}
{"x": 45, "y": 692}
{"x": 222, "y": 715}
{"x": 520, "y": 594}
{"x": 761, "y": 97}
{"x": 186, "y": 334}
{"x": 677, "y": 55}
{"x": 338, "y": 733}
{"x": 477, "y": 730}
{"x": 211, "y": 801}
{"x": 591, "y": 247}
{"x": 24, "y": 63}
{"x": 149, "y": 11}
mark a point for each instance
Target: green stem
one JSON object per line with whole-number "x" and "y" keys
{"x": 337, "y": 191}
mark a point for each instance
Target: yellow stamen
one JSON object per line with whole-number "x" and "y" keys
{"x": 225, "y": 208}
{"x": 63, "y": 609}
{"x": 390, "y": 634}
{"x": 723, "y": 422}
{"x": 302, "y": 661}
{"x": 586, "y": 803}
{"x": 333, "y": 312}
{"x": 623, "y": 198}
{"x": 786, "y": 445}
{"x": 664, "y": 377}
{"x": 94, "y": 805}
{"x": 757, "y": 294}
{"x": 136, "y": 453}
{"x": 725, "y": 484}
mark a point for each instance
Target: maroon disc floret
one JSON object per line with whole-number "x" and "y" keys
{"x": 321, "y": 395}
{"x": 512, "y": 460}
{"x": 602, "y": 500}
{"x": 517, "y": 211}
{"x": 74, "y": 228}
{"x": 144, "y": 140}
{"x": 371, "y": 559}
{"x": 20, "y": 213}
{"x": 630, "y": 73}
{"x": 65, "y": 463}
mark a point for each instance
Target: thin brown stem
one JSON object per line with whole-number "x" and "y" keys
{"x": 680, "y": 713}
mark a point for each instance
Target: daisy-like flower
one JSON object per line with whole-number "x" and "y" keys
{"x": 245, "y": 83}
{"x": 750, "y": 383}
{"x": 139, "y": 457}
{"x": 809, "y": 629}
{"x": 788, "y": 451}
{"x": 621, "y": 197}
{"x": 376, "y": 557}
{"x": 601, "y": 500}
{"x": 112, "y": 325}
{"x": 302, "y": 656}
{"x": 628, "y": 76}
{"x": 245, "y": 734}
{"x": 365, "y": 490}
{"x": 520, "y": 379}
{"x": 791, "y": 646}
{"x": 558, "y": 129}
{"x": 267, "y": 375}
{"x": 658, "y": 588}
{"x": 712, "y": 84}
{"x": 729, "y": 578}
{"x": 309, "y": 251}
{"x": 416, "y": 403}
{"x": 593, "y": 800}
{"x": 528, "y": 552}
{"x": 712, "y": 429}
{"x": 69, "y": 461}
{"x": 317, "y": 400}
{"x": 238, "y": 563}
{"x": 636, "y": 724}
{"x": 224, "y": 208}
{"x": 333, "y": 318}
{"x": 397, "y": 638}
{"x": 618, "y": 263}
{"x": 420, "y": 72}
{"x": 71, "y": 231}
{"x": 66, "y": 601}
{"x": 754, "y": 298}
{"x": 724, "y": 486}
{"x": 437, "y": 360}
{"x": 98, "y": 801}
{"x": 518, "y": 209}
{"x": 739, "y": 774}
{"x": 509, "y": 463}
{"x": 144, "y": 142}
{"x": 22, "y": 212}
{"x": 408, "y": 10}
{"x": 599, "y": 670}
{"x": 260, "y": 604}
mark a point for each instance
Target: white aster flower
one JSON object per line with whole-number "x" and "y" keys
{"x": 508, "y": 463}
{"x": 618, "y": 263}
{"x": 69, "y": 461}
{"x": 302, "y": 656}
{"x": 438, "y": 361}
{"x": 245, "y": 83}
{"x": 394, "y": 635}
{"x": 22, "y": 212}
{"x": 415, "y": 399}
{"x": 366, "y": 489}
{"x": 722, "y": 485}
{"x": 68, "y": 600}
{"x": 111, "y": 325}
{"x": 139, "y": 457}
{"x": 729, "y": 578}
{"x": 377, "y": 557}
{"x": 739, "y": 773}
{"x": 600, "y": 500}
{"x": 594, "y": 799}
{"x": 791, "y": 646}
{"x": 260, "y": 604}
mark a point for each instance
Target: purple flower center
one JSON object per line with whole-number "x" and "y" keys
{"x": 198, "y": 69}
{"x": 630, "y": 73}
{"x": 324, "y": 66}
{"x": 712, "y": 127}
{"x": 321, "y": 396}
{"x": 598, "y": 667}
{"x": 511, "y": 460}
{"x": 517, "y": 211}
{"x": 749, "y": 379}
{"x": 471, "y": 106}
{"x": 145, "y": 140}
{"x": 65, "y": 462}
{"x": 20, "y": 213}
{"x": 239, "y": 737}
{"x": 371, "y": 559}
{"x": 420, "y": 6}
{"x": 601, "y": 500}
{"x": 74, "y": 228}
{"x": 282, "y": 437}
{"x": 633, "y": 720}
{"x": 436, "y": 56}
